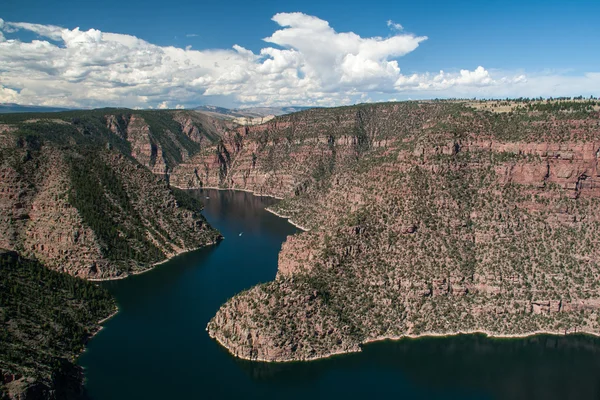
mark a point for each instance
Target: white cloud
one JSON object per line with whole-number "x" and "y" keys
{"x": 330, "y": 59}
{"x": 479, "y": 77}
{"x": 8, "y": 95}
{"x": 48, "y": 31}
{"x": 308, "y": 63}
{"x": 163, "y": 106}
{"x": 191, "y": 35}
{"x": 397, "y": 27}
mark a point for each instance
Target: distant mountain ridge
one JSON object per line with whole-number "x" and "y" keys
{"x": 18, "y": 108}
{"x": 248, "y": 116}
{"x": 251, "y": 111}
{"x": 222, "y": 112}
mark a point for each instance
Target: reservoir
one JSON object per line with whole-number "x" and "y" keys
{"x": 156, "y": 347}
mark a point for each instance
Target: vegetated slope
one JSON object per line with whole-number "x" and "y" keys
{"x": 74, "y": 195}
{"x": 159, "y": 140}
{"x": 45, "y": 319}
{"x": 78, "y": 195}
{"x": 425, "y": 218}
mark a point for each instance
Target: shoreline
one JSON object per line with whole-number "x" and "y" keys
{"x": 234, "y": 189}
{"x": 169, "y": 258}
{"x": 180, "y": 252}
{"x": 255, "y": 194}
{"x": 487, "y": 334}
{"x": 335, "y": 353}
{"x": 152, "y": 266}
{"x": 103, "y": 320}
{"x": 97, "y": 331}
{"x": 288, "y": 219}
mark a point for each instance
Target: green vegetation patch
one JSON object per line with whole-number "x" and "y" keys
{"x": 104, "y": 204}
{"x": 45, "y": 318}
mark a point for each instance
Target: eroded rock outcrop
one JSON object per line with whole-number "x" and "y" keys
{"x": 160, "y": 141}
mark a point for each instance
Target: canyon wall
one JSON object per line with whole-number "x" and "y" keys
{"x": 424, "y": 218}
{"x": 74, "y": 193}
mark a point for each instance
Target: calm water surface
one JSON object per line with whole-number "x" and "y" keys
{"x": 156, "y": 347}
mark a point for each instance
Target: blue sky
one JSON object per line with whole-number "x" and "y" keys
{"x": 524, "y": 48}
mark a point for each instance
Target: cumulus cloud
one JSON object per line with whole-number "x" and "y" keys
{"x": 304, "y": 62}
{"x": 8, "y": 95}
{"x": 331, "y": 59}
{"x": 479, "y": 77}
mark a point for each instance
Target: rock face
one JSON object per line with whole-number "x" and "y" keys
{"x": 39, "y": 221}
{"x": 157, "y": 141}
{"x": 425, "y": 218}
{"x": 257, "y": 159}
{"x": 89, "y": 208}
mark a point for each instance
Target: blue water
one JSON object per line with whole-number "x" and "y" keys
{"x": 156, "y": 347}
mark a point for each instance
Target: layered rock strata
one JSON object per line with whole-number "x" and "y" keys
{"x": 425, "y": 219}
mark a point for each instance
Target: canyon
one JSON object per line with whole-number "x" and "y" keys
{"x": 420, "y": 218}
